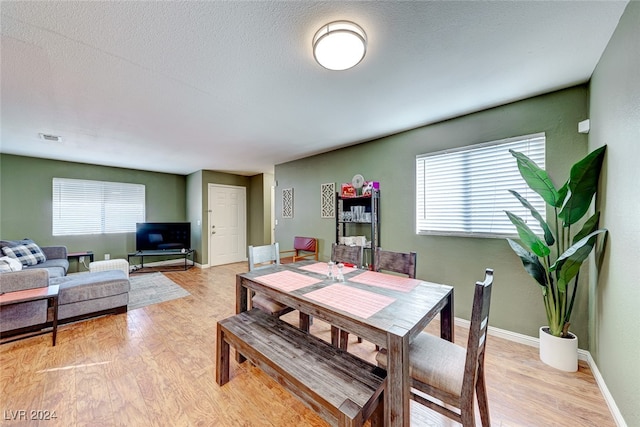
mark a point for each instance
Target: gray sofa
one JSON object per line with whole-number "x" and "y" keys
{"x": 56, "y": 264}
{"x": 80, "y": 296}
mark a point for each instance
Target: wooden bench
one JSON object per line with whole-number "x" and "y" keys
{"x": 341, "y": 388}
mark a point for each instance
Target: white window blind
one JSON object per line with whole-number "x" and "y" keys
{"x": 465, "y": 191}
{"x": 96, "y": 207}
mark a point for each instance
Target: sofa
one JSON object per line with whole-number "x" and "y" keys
{"x": 55, "y": 261}
{"x": 80, "y": 296}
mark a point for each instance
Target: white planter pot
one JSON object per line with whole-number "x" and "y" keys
{"x": 559, "y": 353}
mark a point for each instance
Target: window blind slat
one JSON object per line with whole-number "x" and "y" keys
{"x": 466, "y": 190}
{"x": 96, "y": 207}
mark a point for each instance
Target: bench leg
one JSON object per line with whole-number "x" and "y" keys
{"x": 350, "y": 415}
{"x": 222, "y": 357}
{"x": 377, "y": 417}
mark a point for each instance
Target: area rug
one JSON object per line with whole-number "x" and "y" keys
{"x": 152, "y": 288}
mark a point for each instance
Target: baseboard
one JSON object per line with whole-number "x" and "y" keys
{"x": 583, "y": 355}
{"x": 615, "y": 412}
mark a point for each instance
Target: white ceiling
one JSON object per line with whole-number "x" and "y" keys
{"x": 232, "y": 86}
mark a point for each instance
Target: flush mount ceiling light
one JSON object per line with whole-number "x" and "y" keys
{"x": 339, "y": 45}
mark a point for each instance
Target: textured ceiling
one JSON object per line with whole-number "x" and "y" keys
{"x": 232, "y": 86}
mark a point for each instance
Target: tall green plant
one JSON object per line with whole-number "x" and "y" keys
{"x": 554, "y": 259}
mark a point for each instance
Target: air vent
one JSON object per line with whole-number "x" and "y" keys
{"x": 49, "y": 137}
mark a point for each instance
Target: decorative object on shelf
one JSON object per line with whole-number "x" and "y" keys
{"x": 357, "y": 213}
{"x": 328, "y": 200}
{"x": 287, "y": 203}
{"x": 339, "y": 45}
{"x": 558, "y": 278}
{"x": 369, "y": 187}
{"x": 347, "y": 190}
{"x": 357, "y": 182}
{"x": 359, "y": 187}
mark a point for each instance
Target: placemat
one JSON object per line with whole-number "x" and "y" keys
{"x": 387, "y": 281}
{"x": 287, "y": 280}
{"x": 354, "y": 301}
{"x": 323, "y": 268}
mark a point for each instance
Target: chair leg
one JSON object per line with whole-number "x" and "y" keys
{"x": 483, "y": 402}
{"x": 468, "y": 417}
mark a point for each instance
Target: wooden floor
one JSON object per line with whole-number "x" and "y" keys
{"x": 154, "y": 366}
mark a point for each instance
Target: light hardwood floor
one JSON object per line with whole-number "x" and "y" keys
{"x": 155, "y": 366}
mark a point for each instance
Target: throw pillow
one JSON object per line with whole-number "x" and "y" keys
{"x": 27, "y": 254}
{"x": 9, "y": 264}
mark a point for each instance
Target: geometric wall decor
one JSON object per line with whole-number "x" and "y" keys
{"x": 328, "y": 200}
{"x": 287, "y": 203}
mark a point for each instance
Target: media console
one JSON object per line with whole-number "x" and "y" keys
{"x": 162, "y": 253}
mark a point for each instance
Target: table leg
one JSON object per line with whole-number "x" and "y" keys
{"x": 241, "y": 305}
{"x": 398, "y": 392}
{"x": 446, "y": 319}
{"x": 335, "y": 336}
{"x": 55, "y": 319}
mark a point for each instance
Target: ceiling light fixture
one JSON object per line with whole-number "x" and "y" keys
{"x": 339, "y": 45}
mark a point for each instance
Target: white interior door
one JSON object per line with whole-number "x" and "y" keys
{"x": 227, "y": 224}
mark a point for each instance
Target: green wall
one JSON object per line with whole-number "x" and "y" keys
{"x": 260, "y": 213}
{"x": 194, "y": 213}
{"x": 25, "y": 201}
{"x": 615, "y": 121}
{"x": 516, "y": 301}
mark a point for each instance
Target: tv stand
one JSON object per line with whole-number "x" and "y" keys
{"x": 174, "y": 253}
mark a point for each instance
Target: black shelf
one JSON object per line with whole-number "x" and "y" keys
{"x": 368, "y": 228}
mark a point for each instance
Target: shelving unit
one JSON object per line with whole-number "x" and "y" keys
{"x": 349, "y": 224}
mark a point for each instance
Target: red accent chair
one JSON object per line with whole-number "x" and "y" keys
{"x": 303, "y": 248}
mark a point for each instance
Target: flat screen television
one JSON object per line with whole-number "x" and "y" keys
{"x": 163, "y": 236}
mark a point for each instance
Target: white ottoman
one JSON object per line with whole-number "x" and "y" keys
{"x": 110, "y": 264}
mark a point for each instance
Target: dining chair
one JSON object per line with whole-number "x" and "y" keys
{"x": 350, "y": 255}
{"x": 264, "y": 257}
{"x": 446, "y": 372}
{"x": 347, "y": 254}
{"x": 395, "y": 262}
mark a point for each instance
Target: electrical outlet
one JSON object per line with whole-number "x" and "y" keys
{"x": 81, "y": 259}
{"x": 107, "y": 256}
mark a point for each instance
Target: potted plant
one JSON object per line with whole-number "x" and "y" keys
{"x": 554, "y": 260}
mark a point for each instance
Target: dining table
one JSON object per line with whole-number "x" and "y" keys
{"x": 382, "y": 308}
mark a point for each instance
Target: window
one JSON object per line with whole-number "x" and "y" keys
{"x": 464, "y": 191}
{"x": 96, "y": 207}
